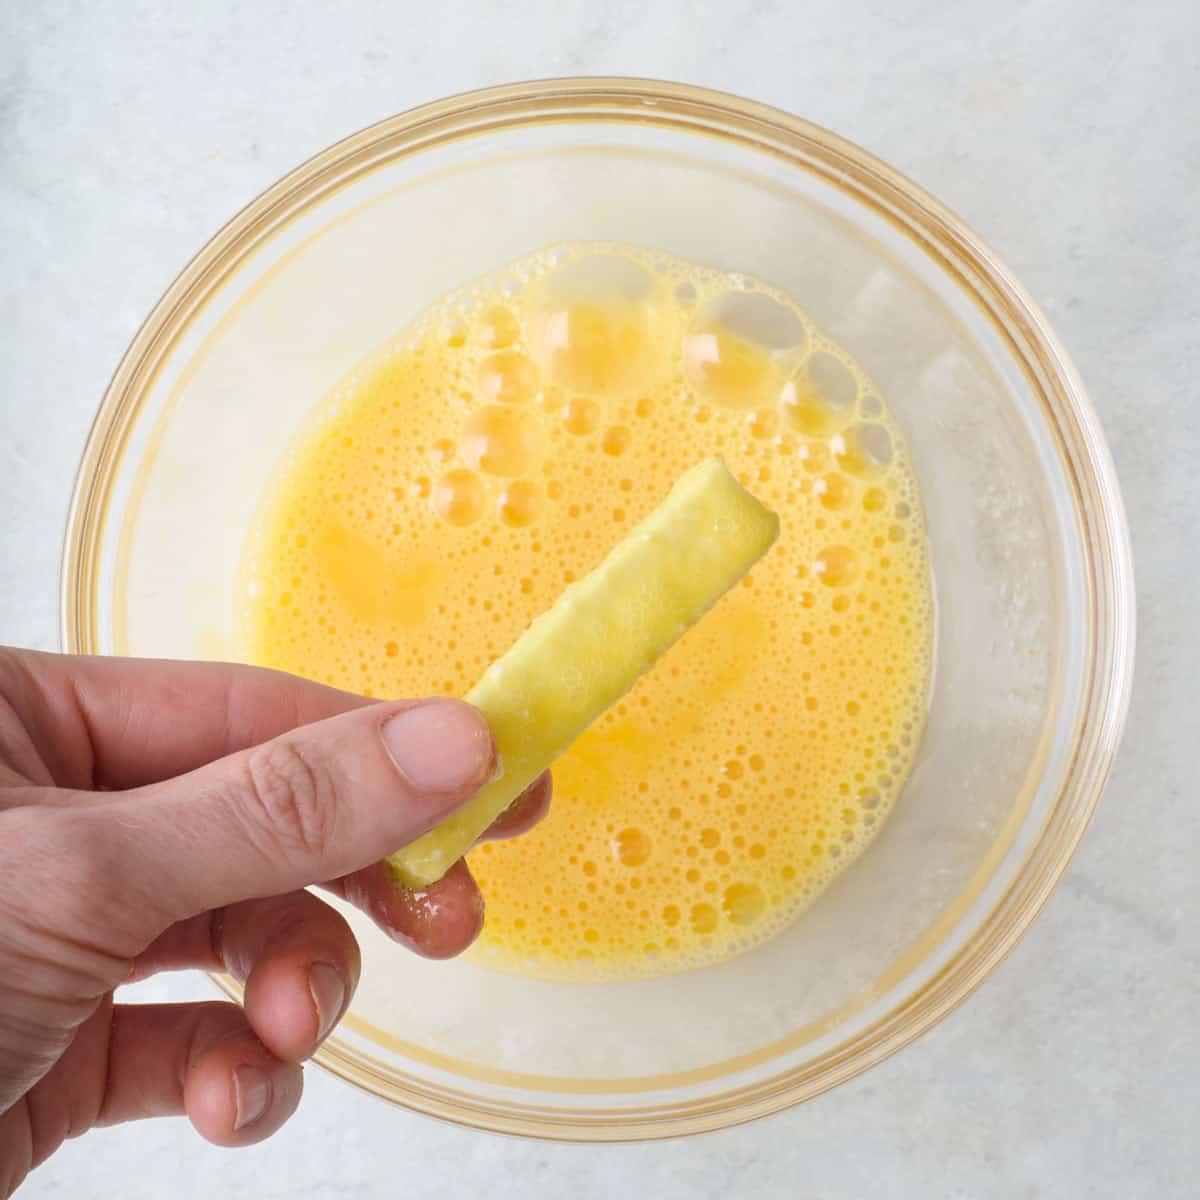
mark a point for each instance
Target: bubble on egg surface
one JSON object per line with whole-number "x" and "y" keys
{"x": 738, "y": 349}
{"x": 497, "y": 327}
{"x": 863, "y": 451}
{"x": 600, "y": 326}
{"x": 459, "y": 497}
{"x": 519, "y": 503}
{"x": 502, "y": 441}
{"x": 508, "y": 377}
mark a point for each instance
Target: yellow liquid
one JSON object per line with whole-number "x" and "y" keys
{"x": 445, "y": 494}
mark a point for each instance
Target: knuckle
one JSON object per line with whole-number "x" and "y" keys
{"x": 82, "y": 893}
{"x": 292, "y": 798}
{"x": 27, "y": 852}
{"x": 57, "y": 846}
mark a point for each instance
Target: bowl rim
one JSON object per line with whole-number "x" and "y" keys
{"x": 866, "y": 179}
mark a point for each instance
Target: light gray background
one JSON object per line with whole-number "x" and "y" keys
{"x": 1067, "y": 134}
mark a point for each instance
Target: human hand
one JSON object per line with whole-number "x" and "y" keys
{"x": 158, "y": 815}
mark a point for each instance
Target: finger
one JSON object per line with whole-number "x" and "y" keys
{"x": 317, "y": 803}
{"x": 523, "y": 813}
{"x": 202, "y": 1059}
{"x": 296, "y": 955}
{"x": 444, "y": 919}
{"x": 124, "y": 722}
{"x": 299, "y": 977}
{"x": 439, "y": 921}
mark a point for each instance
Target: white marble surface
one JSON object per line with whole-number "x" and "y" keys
{"x": 1067, "y": 134}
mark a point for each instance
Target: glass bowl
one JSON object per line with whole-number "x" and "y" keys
{"x": 1035, "y": 612}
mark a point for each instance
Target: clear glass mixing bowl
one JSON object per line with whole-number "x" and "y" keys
{"x": 1028, "y": 542}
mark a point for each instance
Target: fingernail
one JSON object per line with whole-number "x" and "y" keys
{"x": 328, "y": 994}
{"x": 251, "y": 1095}
{"x": 441, "y": 746}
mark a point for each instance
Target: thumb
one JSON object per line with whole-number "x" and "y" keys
{"x": 314, "y": 804}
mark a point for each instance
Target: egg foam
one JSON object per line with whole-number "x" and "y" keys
{"x": 447, "y": 491}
